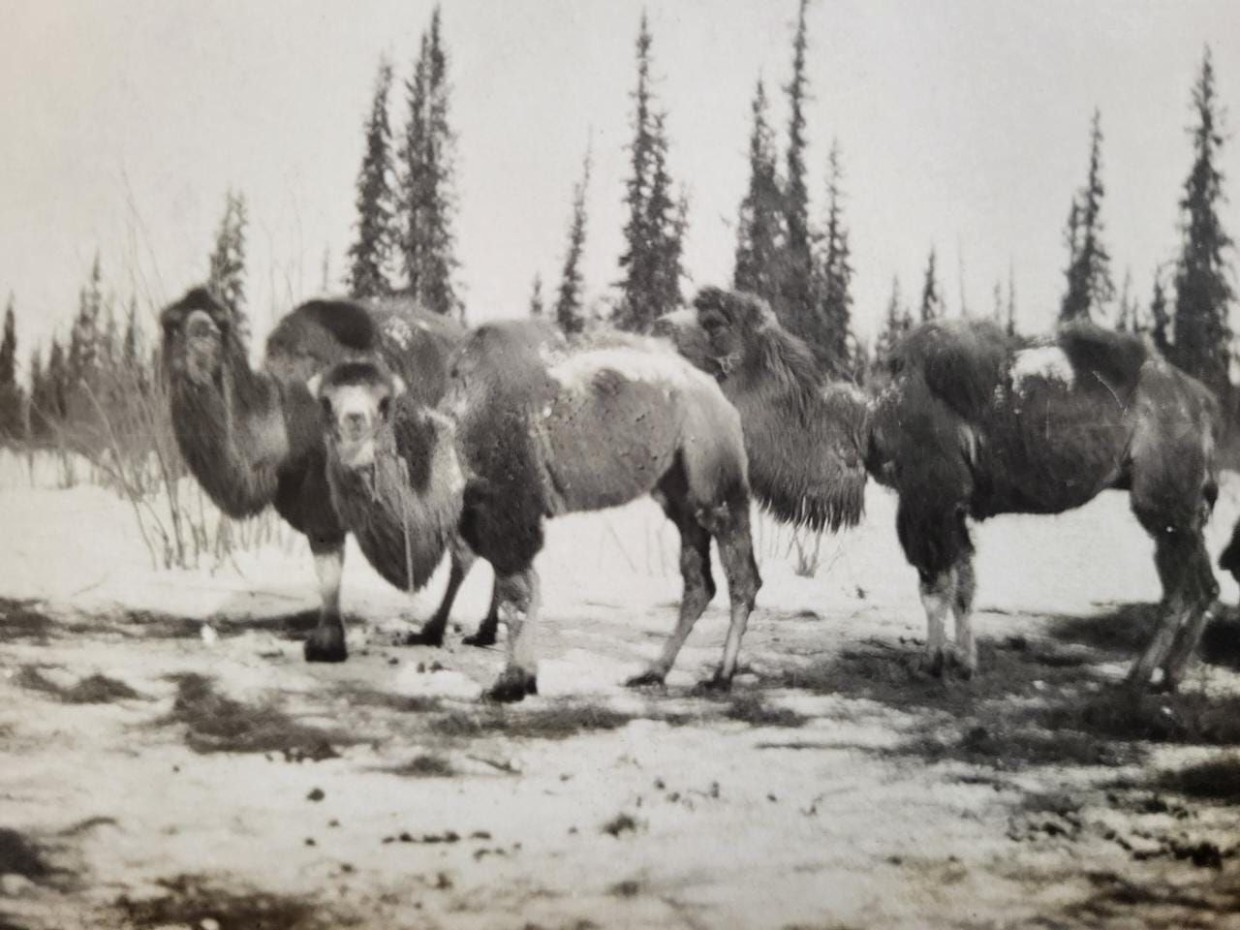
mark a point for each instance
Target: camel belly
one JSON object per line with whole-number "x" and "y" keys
{"x": 608, "y": 446}
{"x": 1050, "y": 451}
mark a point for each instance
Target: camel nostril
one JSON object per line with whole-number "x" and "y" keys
{"x": 354, "y": 423}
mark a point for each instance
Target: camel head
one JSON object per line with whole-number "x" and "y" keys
{"x": 717, "y": 330}
{"x": 197, "y": 329}
{"x": 356, "y": 398}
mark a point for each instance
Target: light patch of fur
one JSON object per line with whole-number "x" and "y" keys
{"x": 1045, "y": 363}
{"x": 660, "y": 367}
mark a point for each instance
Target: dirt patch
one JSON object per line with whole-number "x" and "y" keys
{"x": 1216, "y": 779}
{"x": 557, "y": 723}
{"x": 216, "y": 723}
{"x": 194, "y": 901}
{"x": 1120, "y": 714}
{"x": 20, "y": 620}
{"x": 401, "y": 703}
{"x": 425, "y": 765}
{"x": 290, "y": 626}
{"x": 1156, "y": 904}
{"x": 94, "y": 689}
{"x": 21, "y": 856}
{"x": 753, "y": 710}
{"x": 1124, "y": 630}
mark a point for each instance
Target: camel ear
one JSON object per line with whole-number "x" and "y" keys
{"x": 314, "y": 384}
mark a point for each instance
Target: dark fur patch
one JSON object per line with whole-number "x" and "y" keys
{"x": 349, "y": 374}
{"x": 1115, "y": 357}
{"x": 348, "y": 323}
{"x": 962, "y": 362}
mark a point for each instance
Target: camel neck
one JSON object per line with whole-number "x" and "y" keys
{"x": 232, "y": 434}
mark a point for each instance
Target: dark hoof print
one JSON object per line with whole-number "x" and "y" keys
{"x": 481, "y": 640}
{"x": 645, "y": 680}
{"x": 511, "y": 688}
{"x": 421, "y": 638}
{"x": 713, "y": 685}
{"x": 332, "y": 652}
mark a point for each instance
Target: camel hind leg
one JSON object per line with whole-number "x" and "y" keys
{"x": 962, "y": 607}
{"x": 729, "y": 523}
{"x": 699, "y": 586}
{"x": 1165, "y": 503}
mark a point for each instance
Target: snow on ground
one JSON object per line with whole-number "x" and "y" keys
{"x": 168, "y": 760}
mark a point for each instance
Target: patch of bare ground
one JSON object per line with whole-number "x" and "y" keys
{"x": 19, "y": 855}
{"x": 1216, "y": 779}
{"x": 20, "y": 620}
{"x": 1123, "y": 630}
{"x": 198, "y": 901}
{"x": 424, "y": 765}
{"x": 1118, "y": 901}
{"x": 560, "y": 721}
{"x": 214, "y": 722}
{"x": 93, "y": 689}
{"x": 158, "y": 625}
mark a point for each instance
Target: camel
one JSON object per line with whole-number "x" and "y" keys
{"x": 972, "y": 423}
{"x": 253, "y": 438}
{"x": 543, "y": 429}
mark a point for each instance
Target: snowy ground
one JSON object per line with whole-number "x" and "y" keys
{"x": 168, "y": 760}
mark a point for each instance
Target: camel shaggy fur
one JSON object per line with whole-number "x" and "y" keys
{"x": 543, "y": 429}
{"x": 254, "y": 438}
{"x": 972, "y": 423}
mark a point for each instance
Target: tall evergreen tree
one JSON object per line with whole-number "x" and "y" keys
{"x": 1090, "y": 286}
{"x": 796, "y": 264}
{"x": 226, "y": 267}
{"x": 834, "y": 285}
{"x": 1011, "y": 302}
{"x": 1203, "y": 291}
{"x": 370, "y": 254}
{"x": 58, "y": 381}
{"x": 896, "y": 322}
{"x": 653, "y": 232}
{"x": 759, "y": 232}
{"x": 11, "y": 400}
{"x": 426, "y": 204}
{"x": 82, "y": 364}
{"x": 568, "y": 304}
{"x": 36, "y": 427}
{"x": 1160, "y": 318}
{"x": 537, "y": 306}
{"x": 931, "y": 298}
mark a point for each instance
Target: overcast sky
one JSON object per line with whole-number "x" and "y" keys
{"x": 963, "y": 125}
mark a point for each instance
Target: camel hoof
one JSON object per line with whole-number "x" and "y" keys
{"x": 647, "y": 679}
{"x": 326, "y": 647}
{"x": 934, "y": 664}
{"x": 512, "y": 686}
{"x": 481, "y": 639}
{"x": 965, "y": 669}
{"x": 427, "y": 636}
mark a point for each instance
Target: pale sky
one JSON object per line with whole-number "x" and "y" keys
{"x": 963, "y": 125}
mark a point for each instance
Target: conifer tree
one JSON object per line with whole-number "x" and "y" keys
{"x": 370, "y": 253}
{"x": 931, "y": 298}
{"x": 226, "y": 267}
{"x": 654, "y": 230}
{"x": 35, "y": 425}
{"x": 57, "y": 381}
{"x": 1011, "y": 302}
{"x": 759, "y": 232}
{"x": 1090, "y": 286}
{"x": 537, "y": 306}
{"x": 896, "y": 322}
{"x": 11, "y": 400}
{"x": 1203, "y": 290}
{"x": 426, "y": 203}
{"x": 1160, "y": 318}
{"x": 834, "y": 284}
{"x": 796, "y": 262}
{"x": 568, "y": 304}
{"x": 82, "y": 365}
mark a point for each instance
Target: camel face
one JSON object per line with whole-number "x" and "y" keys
{"x": 356, "y": 398}
{"x": 195, "y": 330}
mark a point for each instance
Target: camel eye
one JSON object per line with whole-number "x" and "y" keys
{"x": 385, "y": 405}
{"x": 712, "y": 324}
{"x": 325, "y": 403}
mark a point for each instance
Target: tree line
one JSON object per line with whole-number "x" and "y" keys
{"x": 403, "y": 242}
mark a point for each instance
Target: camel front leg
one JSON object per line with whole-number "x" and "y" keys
{"x": 1203, "y": 593}
{"x": 490, "y": 623}
{"x": 518, "y": 597}
{"x": 432, "y": 631}
{"x": 938, "y": 595}
{"x": 741, "y": 570}
{"x": 326, "y": 642}
{"x": 962, "y": 606}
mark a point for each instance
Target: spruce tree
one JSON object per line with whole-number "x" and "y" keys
{"x": 1011, "y": 302}
{"x": 370, "y": 253}
{"x": 653, "y": 232}
{"x": 834, "y": 285}
{"x": 896, "y": 322}
{"x": 796, "y": 263}
{"x": 58, "y": 381}
{"x": 36, "y": 426}
{"x": 226, "y": 266}
{"x": 1203, "y": 291}
{"x": 759, "y": 232}
{"x": 426, "y": 204}
{"x": 931, "y": 299}
{"x": 11, "y": 401}
{"x": 1160, "y": 318}
{"x": 1090, "y": 286}
{"x": 82, "y": 364}
{"x": 568, "y": 304}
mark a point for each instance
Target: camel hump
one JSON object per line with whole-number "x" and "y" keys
{"x": 962, "y": 361}
{"x": 348, "y": 323}
{"x": 1117, "y": 358}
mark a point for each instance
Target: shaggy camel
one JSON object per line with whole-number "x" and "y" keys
{"x": 542, "y": 430}
{"x": 254, "y": 438}
{"x": 973, "y": 423}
